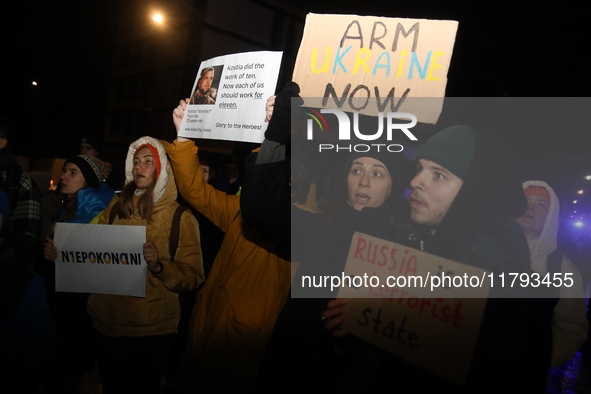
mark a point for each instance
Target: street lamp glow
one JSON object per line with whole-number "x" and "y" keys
{"x": 578, "y": 224}
{"x": 157, "y": 18}
{"x": 580, "y": 192}
{"x": 588, "y": 177}
{"x": 575, "y": 201}
{"x": 34, "y": 83}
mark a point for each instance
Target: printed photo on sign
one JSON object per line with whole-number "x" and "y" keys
{"x": 207, "y": 86}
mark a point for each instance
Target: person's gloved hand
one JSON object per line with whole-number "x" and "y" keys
{"x": 280, "y": 123}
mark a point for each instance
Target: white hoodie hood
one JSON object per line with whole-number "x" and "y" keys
{"x": 541, "y": 247}
{"x": 162, "y": 180}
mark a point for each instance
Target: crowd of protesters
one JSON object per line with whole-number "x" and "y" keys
{"x": 218, "y": 313}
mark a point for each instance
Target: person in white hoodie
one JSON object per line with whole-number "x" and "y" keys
{"x": 540, "y": 226}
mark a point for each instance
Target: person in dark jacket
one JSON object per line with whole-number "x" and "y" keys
{"x": 28, "y": 339}
{"x": 268, "y": 192}
{"x": 82, "y": 195}
{"x": 365, "y": 199}
{"x": 23, "y": 223}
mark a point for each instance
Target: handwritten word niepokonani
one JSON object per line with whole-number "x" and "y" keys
{"x": 101, "y": 258}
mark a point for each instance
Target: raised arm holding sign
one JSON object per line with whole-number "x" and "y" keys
{"x": 247, "y": 286}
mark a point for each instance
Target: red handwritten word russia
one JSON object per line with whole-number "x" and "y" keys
{"x": 403, "y": 267}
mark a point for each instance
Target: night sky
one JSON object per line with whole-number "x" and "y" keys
{"x": 502, "y": 49}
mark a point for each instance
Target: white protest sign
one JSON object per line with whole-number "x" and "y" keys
{"x": 229, "y": 96}
{"x": 349, "y": 59}
{"x": 103, "y": 259}
{"x": 435, "y": 329}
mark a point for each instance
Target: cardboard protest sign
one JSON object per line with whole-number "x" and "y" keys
{"x": 104, "y": 259}
{"x": 437, "y": 333}
{"x": 229, "y": 96}
{"x": 347, "y": 59}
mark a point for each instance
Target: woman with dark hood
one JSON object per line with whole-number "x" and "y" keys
{"x": 367, "y": 199}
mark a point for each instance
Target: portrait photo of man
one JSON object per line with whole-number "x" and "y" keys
{"x": 206, "y": 89}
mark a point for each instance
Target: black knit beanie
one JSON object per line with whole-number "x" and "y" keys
{"x": 94, "y": 170}
{"x": 451, "y": 148}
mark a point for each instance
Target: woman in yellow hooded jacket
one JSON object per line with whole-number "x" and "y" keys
{"x": 135, "y": 335}
{"x": 235, "y": 311}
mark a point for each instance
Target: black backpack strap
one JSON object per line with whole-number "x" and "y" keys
{"x": 175, "y": 230}
{"x": 554, "y": 262}
{"x": 13, "y": 179}
{"x": 114, "y": 212}
{"x": 553, "y": 266}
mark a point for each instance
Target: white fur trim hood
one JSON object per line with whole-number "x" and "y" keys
{"x": 162, "y": 180}
{"x": 545, "y": 244}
